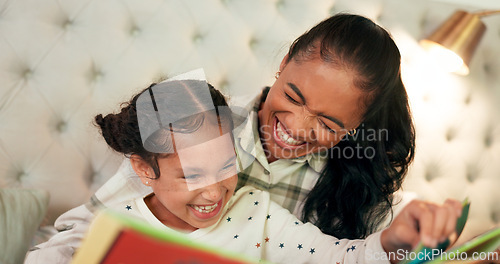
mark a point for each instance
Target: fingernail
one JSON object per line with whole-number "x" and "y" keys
{"x": 429, "y": 241}
{"x": 442, "y": 239}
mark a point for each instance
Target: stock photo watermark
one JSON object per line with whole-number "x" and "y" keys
{"x": 431, "y": 254}
{"x": 325, "y": 143}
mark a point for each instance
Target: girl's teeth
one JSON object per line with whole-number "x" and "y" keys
{"x": 285, "y": 137}
{"x": 205, "y": 209}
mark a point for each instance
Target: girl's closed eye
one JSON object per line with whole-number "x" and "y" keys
{"x": 192, "y": 177}
{"x": 228, "y": 167}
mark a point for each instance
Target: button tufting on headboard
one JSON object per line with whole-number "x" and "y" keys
{"x": 472, "y": 173}
{"x": 495, "y": 215}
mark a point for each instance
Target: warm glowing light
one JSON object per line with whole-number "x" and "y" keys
{"x": 446, "y": 59}
{"x": 454, "y": 42}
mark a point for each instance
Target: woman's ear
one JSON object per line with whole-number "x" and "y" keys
{"x": 284, "y": 62}
{"x": 142, "y": 168}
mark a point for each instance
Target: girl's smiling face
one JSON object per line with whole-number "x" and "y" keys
{"x": 194, "y": 184}
{"x": 309, "y": 109}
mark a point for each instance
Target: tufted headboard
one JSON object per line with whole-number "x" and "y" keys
{"x": 63, "y": 62}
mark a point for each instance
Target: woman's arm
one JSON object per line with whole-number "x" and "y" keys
{"x": 71, "y": 227}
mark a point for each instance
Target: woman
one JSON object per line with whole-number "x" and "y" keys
{"x": 336, "y": 131}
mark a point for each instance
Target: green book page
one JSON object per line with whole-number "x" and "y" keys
{"x": 487, "y": 242}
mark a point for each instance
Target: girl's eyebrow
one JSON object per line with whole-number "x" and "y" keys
{"x": 299, "y": 94}
{"x": 230, "y": 160}
{"x": 200, "y": 170}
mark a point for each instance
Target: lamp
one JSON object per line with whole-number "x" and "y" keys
{"x": 454, "y": 42}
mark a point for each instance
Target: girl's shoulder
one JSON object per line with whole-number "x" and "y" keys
{"x": 248, "y": 196}
{"x": 129, "y": 207}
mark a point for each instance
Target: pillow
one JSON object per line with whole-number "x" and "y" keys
{"x": 21, "y": 212}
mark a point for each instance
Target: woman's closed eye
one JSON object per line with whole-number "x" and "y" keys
{"x": 325, "y": 126}
{"x": 293, "y": 101}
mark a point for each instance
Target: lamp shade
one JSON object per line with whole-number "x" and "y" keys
{"x": 454, "y": 42}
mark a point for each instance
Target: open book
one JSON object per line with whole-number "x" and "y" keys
{"x": 480, "y": 248}
{"x": 117, "y": 238}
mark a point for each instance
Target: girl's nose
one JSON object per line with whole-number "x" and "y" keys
{"x": 212, "y": 192}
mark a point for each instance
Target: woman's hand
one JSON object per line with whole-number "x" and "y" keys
{"x": 421, "y": 221}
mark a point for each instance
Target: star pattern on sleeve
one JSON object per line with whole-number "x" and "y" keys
{"x": 282, "y": 245}
{"x": 251, "y": 193}
{"x": 257, "y": 245}
{"x": 250, "y": 218}
{"x": 337, "y": 243}
{"x": 228, "y": 219}
{"x": 266, "y": 240}
{"x": 256, "y": 203}
{"x": 312, "y": 251}
{"x": 128, "y": 207}
{"x": 351, "y": 248}
{"x": 268, "y": 217}
{"x": 300, "y": 246}
{"x": 236, "y": 236}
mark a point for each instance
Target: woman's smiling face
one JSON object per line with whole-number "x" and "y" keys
{"x": 310, "y": 108}
{"x": 194, "y": 184}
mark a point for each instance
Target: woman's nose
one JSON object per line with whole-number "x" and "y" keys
{"x": 303, "y": 127}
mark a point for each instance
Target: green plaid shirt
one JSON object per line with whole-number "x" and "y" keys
{"x": 287, "y": 180}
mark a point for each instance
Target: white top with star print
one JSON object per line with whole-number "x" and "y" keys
{"x": 253, "y": 225}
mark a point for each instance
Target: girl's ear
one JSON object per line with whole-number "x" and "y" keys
{"x": 142, "y": 168}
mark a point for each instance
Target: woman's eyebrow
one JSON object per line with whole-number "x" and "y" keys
{"x": 334, "y": 120}
{"x": 297, "y": 91}
{"x": 299, "y": 94}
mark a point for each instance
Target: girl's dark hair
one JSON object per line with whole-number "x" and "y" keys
{"x": 354, "y": 194}
{"x": 121, "y": 131}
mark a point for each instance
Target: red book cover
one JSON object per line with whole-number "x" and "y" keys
{"x": 133, "y": 247}
{"x": 114, "y": 238}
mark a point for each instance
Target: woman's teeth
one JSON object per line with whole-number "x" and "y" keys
{"x": 205, "y": 209}
{"x": 285, "y": 137}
